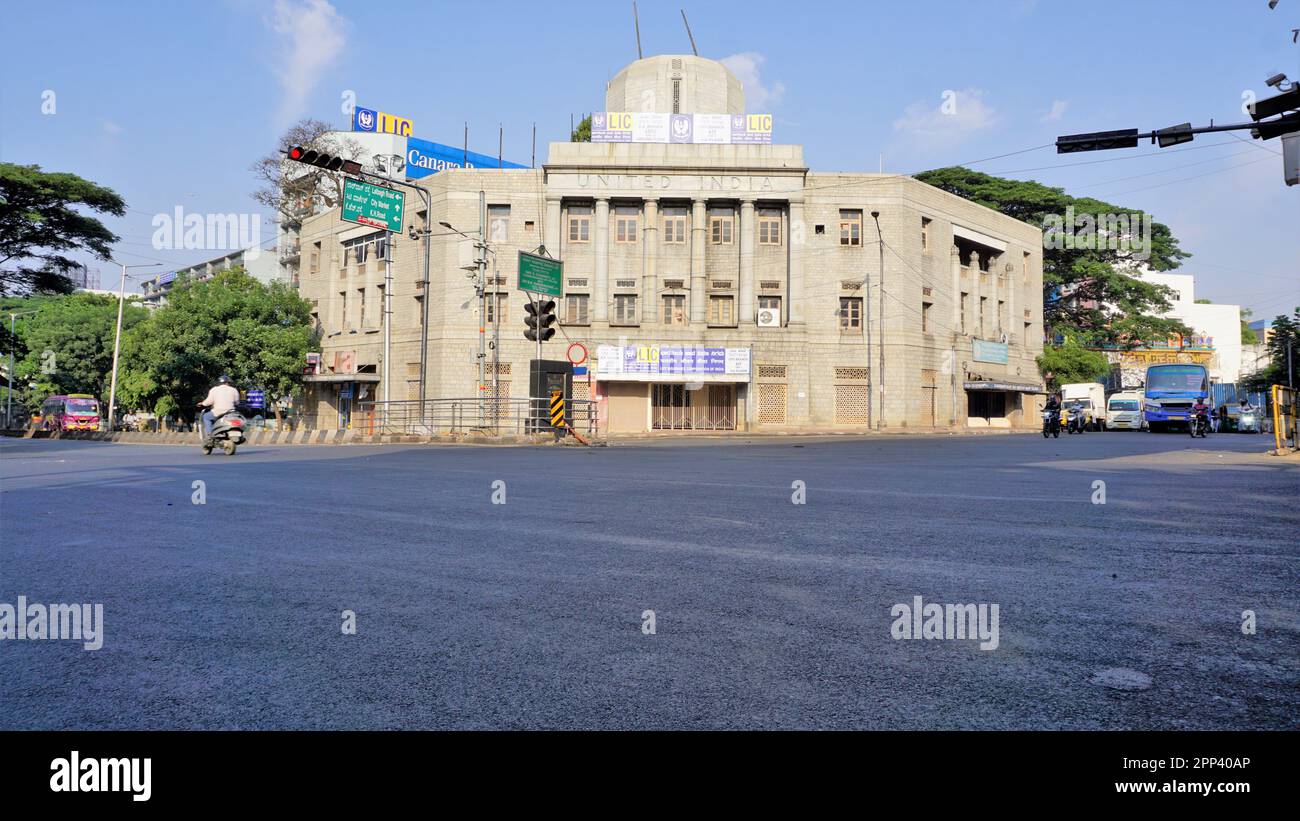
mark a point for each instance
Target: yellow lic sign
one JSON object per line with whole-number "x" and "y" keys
{"x": 557, "y": 409}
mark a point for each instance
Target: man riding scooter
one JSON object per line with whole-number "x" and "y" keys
{"x": 1199, "y": 421}
{"x": 219, "y": 402}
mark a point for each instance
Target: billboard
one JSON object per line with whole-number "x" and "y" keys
{"x": 424, "y": 158}
{"x": 691, "y": 129}
{"x": 983, "y": 350}
{"x": 368, "y": 119}
{"x": 672, "y": 363}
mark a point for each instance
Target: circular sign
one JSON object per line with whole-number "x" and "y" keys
{"x": 570, "y": 355}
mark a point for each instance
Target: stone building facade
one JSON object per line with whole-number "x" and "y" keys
{"x": 667, "y": 246}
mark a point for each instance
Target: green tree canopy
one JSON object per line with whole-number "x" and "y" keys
{"x": 582, "y": 134}
{"x": 1283, "y": 341}
{"x": 1086, "y": 292}
{"x": 67, "y": 345}
{"x": 255, "y": 333}
{"x": 1070, "y": 362}
{"x": 39, "y": 226}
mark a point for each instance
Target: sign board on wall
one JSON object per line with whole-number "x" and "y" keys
{"x": 697, "y": 129}
{"x": 424, "y": 158}
{"x": 983, "y": 350}
{"x": 671, "y": 363}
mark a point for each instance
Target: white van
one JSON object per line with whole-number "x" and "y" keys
{"x": 1124, "y": 411}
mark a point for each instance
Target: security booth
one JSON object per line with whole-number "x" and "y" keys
{"x": 545, "y": 378}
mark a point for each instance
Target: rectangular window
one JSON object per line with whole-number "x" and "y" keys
{"x": 769, "y": 307}
{"x": 962, "y": 310}
{"x": 343, "y": 313}
{"x": 495, "y": 301}
{"x": 1027, "y": 327}
{"x": 675, "y": 309}
{"x": 579, "y": 223}
{"x": 498, "y": 223}
{"x": 722, "y": 228}
{"x": 625, "y": 224}
{"x": 925, "y": 235}
{"x": 850, "y": 313}
{"x": 979, "y": 320}
{"x": 850, "y": 227}
{"x": 722, "y": 311}
{"x": 1024, "y": 267}
{"x": 575, "y": 309}
{"x": 769, "y": 226}
{"x": 625, "y": 309}
{"x": 925, "y": 316}
{"x": 675, "y": 226}
{"x": 361, "y": 307}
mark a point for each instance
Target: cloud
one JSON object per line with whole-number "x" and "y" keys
{"x": 746, "y": 66}
{"x": 1055, "y": 112}
{"x": 111, "y": 127}
{"x": 958, "y": 115}
{"x": 312, "y": 34}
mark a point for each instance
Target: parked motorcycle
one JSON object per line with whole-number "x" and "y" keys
{"x": 228, "y": 432}
{"x": 1198, "y": 425}
{"x": 1052, "y": 424}
{"x": 1074, "y": 421}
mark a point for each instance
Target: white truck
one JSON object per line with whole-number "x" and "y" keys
{"x": 1092, "y": 396}
{"x": 1124, "y": 411}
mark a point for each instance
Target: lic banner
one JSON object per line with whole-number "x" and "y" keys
{"x": 697, "y": 129}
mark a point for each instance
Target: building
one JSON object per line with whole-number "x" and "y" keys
{"x": 673, "y": 247}
{"x": 260, "y": 263}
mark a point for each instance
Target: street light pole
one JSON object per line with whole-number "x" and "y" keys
{"x": 117, "y": 339}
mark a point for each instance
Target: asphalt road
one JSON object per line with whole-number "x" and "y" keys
{"x": 768, "y": 614}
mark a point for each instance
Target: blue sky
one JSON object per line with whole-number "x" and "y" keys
{"x": 170, "y": 102}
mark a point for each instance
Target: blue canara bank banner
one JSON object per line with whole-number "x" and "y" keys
{"x": 424, "y": 158}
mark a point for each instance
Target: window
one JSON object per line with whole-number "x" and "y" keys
{"x": 1028, "y": 325}
{"x": 625, "y": 224}
{"x": 1001, "y": 315}
{"x": 580, "y": 223}
{"x": 722, "y": 310}
{"x": 769, "y": 304}
{"x": 361, "y": 307}
{"x": 343, "y": 314}
{"x": 769, "y": 226}
{"x": 850, "y": 313}
{"x": 362, "y": 249}
{"x": 575, "y": 309}
{"x": 494, "y": 301}
{"x": 314, "y": 259}
{"x": 963, "y": 311}
{"x": 850, "y": 227}
{"x": 675, "y": 226}
{"x": 925, "y": 316}
{"x": 980, "y": 319}
{"x": 498, "y": 223}
{"x": 722, "y": 226}
{"x": 675, "y": 309}
{"x": 1024, "y": 267}
{"x": 925, "y": 235}
{"x": 625, "y": 309}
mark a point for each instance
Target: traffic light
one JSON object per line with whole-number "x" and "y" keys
{"x": 541, "y": 316}
{"x": 1097, "y": 141}
{"x": 322, "y": 160}
{"x": 1276, "y": 128}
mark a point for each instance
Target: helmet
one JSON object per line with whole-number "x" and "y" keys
{"x": 223, "y": 380}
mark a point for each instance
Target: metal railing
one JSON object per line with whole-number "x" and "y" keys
{"x": 494, "y": 417}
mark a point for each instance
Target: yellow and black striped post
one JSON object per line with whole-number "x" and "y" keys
{"x": 557, "y": 409}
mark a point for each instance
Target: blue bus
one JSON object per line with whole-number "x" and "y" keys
{"x": 1170, "y": 392}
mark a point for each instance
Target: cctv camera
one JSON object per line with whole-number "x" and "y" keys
{"x": 1272, "y": 4}
{"x": 1276, "y": 81}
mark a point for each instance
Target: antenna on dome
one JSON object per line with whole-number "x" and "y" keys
{"x": 694, "y": 50}
{"x": 636, "y": 21}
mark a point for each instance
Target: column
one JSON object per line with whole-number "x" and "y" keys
{"x": 954, "y": 255}
{"x": 976, "y": 326}
{"x": 797, "y": 242}
{"x": 553, "y": 227}
{"x": 699, "y": 236}
{"x": 747, "y": 309}
{"x": 650, "y": 260}
{"x": 600, "y": 277}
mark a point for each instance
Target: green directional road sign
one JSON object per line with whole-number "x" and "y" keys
{"x": 375, "y": 205}
{"x": 540, "y": 275}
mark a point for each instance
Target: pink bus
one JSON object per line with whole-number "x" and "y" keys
{"x": 76, "y": 411}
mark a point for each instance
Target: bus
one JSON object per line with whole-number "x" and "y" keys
{"x": 1170, "y": 392}
{"x": 76, "y": 411}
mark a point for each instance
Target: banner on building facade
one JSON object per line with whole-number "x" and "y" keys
{"x": 671, "y": 363}
{"x": 983, "y": 350}
{"x": 697, "y": 129}
{"x": 424, "y": 158}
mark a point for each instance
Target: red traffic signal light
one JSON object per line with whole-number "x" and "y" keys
{"x": 320, "y": 159}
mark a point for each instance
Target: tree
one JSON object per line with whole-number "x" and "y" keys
{"x": 257, "y": 334}
{"x": 1283, "y": 342}
{"x": 1087, "y": 291}
{"x": 1248, "y": 336}
{"x": 68, "y": 345}
{"x": 292, "y": 189}
{"x": 1070, "y": 363}
{"x": 40, "y": 225}
{"x": 581, "y": 134}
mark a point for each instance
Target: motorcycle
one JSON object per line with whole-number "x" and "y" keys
{"x": 1051, "y": 423}
{"x": 1074, "y": 422}
{"x": 1198, "y": 424}
{"x": 1249, "y": 422}
{"x": 228, "y": 432}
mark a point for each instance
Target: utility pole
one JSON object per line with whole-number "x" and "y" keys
{"x": 117, "y": 339}
{"x": 388, "y": 323}
{"x": 482, "y": 304}
{"x": 875, "y": 215}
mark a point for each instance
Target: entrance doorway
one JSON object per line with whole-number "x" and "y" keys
{"x": 711, "y": 407}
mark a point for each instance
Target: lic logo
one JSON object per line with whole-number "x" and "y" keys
{"x": 365, "y": 119}
{"x": 681, "y": 128}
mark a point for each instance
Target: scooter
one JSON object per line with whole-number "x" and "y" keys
{"x": 1052, "y": 424}
{"x": 227, "y": 433}
{"x": 1198, "y": 425}
{"x": 1074, "y": 421}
